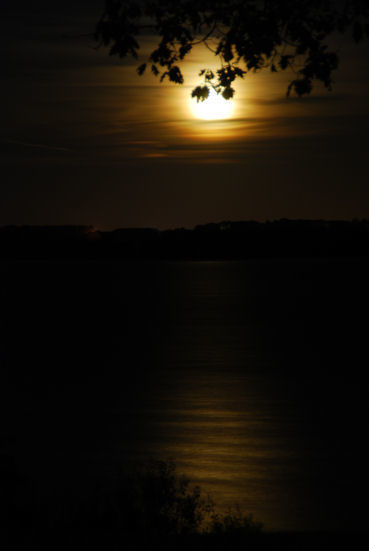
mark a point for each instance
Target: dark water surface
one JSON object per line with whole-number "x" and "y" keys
{"x": 251, "y": 375}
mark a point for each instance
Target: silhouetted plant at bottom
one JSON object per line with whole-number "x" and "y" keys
{"x": 154, "y": 505}
{"x": 233, "y": 522}
{"x": 166, "y": 505}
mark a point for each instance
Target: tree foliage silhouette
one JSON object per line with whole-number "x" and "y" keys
{"x": 244, "y": 35}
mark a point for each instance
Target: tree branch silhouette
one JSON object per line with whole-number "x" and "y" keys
{"x": 245, "y": 35}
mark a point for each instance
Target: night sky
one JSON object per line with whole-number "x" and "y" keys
{"x": 84, "y": 140}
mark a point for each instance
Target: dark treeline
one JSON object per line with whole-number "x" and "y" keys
{"x": 150, "y": 507}
{"x": 214, "y": 241}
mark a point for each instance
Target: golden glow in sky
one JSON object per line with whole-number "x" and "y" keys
{"x": 213, "y": 108}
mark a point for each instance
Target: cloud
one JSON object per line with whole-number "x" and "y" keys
{"x": 314, "y": 99}
{"x": 37, "y": 146}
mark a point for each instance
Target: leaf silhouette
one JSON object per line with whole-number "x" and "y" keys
{"x": 244, "y": 35}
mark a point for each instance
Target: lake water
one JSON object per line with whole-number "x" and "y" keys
{"x": 251, "y": 375}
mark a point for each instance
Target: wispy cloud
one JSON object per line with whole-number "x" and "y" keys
{"x": 38, "y": 145}
{"x": 306, "y": 100}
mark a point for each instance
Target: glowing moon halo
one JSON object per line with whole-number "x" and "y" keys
{"x": 215, "y": 107}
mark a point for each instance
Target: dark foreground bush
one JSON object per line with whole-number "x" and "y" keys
{"x": 153, "y": 507}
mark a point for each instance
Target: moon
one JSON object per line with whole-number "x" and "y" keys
{"x": 215, "y": 107}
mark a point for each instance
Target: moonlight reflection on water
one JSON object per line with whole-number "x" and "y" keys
{"x": 247, "y": 374}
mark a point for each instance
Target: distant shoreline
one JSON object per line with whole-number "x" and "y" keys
{"x": 215, "y": 241}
